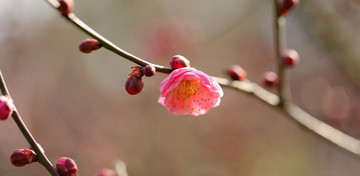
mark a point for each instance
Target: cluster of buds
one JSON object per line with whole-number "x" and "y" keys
{"x": 134, "y": 83}
{"x": 286, "y": 5}
{"x": 64, "y": 167}
{"x": 289, "y": 59}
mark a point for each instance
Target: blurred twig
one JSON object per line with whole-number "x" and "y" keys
{"x": 120, "y": 168}
{"x": 335, "y": 33}
{"x": 43, "y": 160}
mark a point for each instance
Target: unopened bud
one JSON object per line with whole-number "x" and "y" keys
{"x": 179, "y": 61}
{"x": 66, "y": 7}
{"x": 290, "y": 57}
{"x": 21, "y": 157}
{"x": 89, "y": 45}
{"x": 286, "y": 5}
{"x": 6, "y": 107}
{"x": 149, "y": 70}
{"x": 237, "y": 73}
{"x": 66, "y": 167}
{"x": 270, "y": 79}
{"x": 134, "y": 85}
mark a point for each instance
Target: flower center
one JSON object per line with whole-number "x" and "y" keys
{"x": 188, "y": 87}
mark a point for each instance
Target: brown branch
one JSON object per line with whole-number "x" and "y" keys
{"x": 43, "y": 160}
{"x": 281, "y": 102}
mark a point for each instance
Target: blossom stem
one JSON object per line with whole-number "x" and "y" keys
{"x": 43, "y": 160}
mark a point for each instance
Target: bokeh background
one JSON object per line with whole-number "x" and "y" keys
{"x": 76, "y": 106}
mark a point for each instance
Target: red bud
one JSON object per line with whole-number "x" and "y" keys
{"x": 179, "y": 62}
{"x": 286, "y": 5}
{"x": 237, "y": 73}
{"x": 6, "y": 107}
{"x": 66, "y": 7}
{"x": 134, "y": 85}
{"x": 290, "y": 57}
{"x": 149, "y": 70}
{"x": 270, "y": 79}
{"x": 66, "y": 167}
{"x": 21, "y": 157}
{"x": 89, "y": 45}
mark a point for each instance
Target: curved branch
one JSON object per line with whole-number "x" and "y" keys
{"x": 326, "y": 131}
{"x": 43, "y": 160}
{"x": 280, "y": 102}
{"x": 106, "y": 43}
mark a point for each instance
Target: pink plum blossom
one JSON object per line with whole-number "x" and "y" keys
{"x": 189, "y": 91}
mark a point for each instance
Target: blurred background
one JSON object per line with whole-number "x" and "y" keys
{"x": 76, "y": 105}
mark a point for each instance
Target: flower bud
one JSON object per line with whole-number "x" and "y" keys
{"x": 179, "y": 61}
{"x": 290, "y": 57}
{"x": 89, "y": 45}
{"x": 21, "y": 157}
{"x": 270, "y": 79}
{"x": 66, "y": 167}
{"x": 149, "y": 70}
{"x": 6, "y": 107}
{"x": 66, "y": 7}
{"x": 134, "y": 85}
{"x": 286, "y": 5}
{"x": 237, "y": 73}
{"x": 106, "y": 172}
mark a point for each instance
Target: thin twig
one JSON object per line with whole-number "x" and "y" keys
{"x": 106, "y": 43}
{"x": 112, "y": 47}
{"x": 120, "y": 168}
{"x": 43, "y": 160}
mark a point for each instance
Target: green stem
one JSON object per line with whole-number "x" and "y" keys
{"x": 43, "y": 160}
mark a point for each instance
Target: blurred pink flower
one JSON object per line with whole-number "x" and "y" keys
{"x": 189, "y": 91}
{"x": 161, "y": 38}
